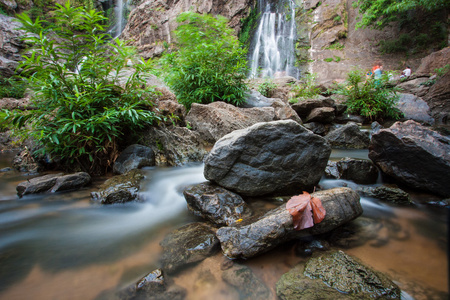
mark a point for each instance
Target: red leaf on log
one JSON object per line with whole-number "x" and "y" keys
{"x": 305, "y": 210}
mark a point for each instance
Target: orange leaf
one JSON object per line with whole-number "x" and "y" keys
{"x": 305, "y": 210}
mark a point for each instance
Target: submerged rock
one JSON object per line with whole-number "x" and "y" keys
{"x": 216, "y": 204}
{"x": 120, "y": 189}
{"x": 134, "y": 157}
{"x": 348, "y": 136}
{"x": 53, "y": 183}
{"x": 268, "y": 158}
{"x": 152, "y": 286}
{"x": 246, "y": 282}
{"x": 414, "y": 155}
{"x": 341, "y": 204}
{"x": 335, "y": 275}
{"x": 187, "y": 245}
{"x": 385, "y": 193}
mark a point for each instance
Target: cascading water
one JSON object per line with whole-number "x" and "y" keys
{"x": 273, "y": 44}
{"x": 120, "y": 20}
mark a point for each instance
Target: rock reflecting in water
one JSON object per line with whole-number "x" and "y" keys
{"x": 245, "y": 281}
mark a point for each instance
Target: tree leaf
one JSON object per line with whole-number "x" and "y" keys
{"x": 305, "y": 211}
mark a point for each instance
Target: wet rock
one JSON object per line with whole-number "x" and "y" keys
{"x": 7, "y": 169}
{"x": 385, "y": 193}
{"x": 316, "y": 127}
{"x": 348, "y": 136}
{"x": 120, "y": 188}
{"x": 305, "y": 107}
{"x": 414, "y": 155}
{"x": 53, "y": 183}
{"x": 246, "y": 282}
{"x": 153, "y": 282}
{"x": 414, "y": 108}
{"x": 175, "y": 146}
{"x": 335, "y": 275}
{"x": 71, "y": 182}
{"x": 216, "y": 204}
{"x": 154, "y": 289}
{"x": 295, "y": 285}
{"x": 187, "y": 245}
{"x": 341, "y": 204}
{"x": 217, "y": 119}
{"x": 322, "y": 115}
{"x": 268, "y": 158}
{"x": 134, "y": 157}
{"x": 357, "y": 170}
{"x": 348, "y": 275}
{"x": 37, "y": 185}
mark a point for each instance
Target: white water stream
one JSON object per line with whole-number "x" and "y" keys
{"x": 273, "y": 44}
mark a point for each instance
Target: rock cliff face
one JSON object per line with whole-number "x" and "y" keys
{"x": 151, "y": 23}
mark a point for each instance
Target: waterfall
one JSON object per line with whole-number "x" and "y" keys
{"x": 120, "y": 20}
{"x": 273, "y": 44}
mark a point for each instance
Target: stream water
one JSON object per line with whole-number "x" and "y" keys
{"x": 63, "y": 246}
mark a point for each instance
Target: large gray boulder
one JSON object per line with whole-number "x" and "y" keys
{"x": 335, "y": 275}
{"x": 348, "y": 136}
{"x": 134, "y": 157}
{"x": 53, "y": 183}
{"x": 414, "y": 108}
{"x": 120, "y": 188}
{"x": 279, "y": 157}
{"x": 275, "y": 227}
{"x": 414, "y": 155}
{"x": 217, "y": 119}
{"x": 188, "y": 245}
{"x": 216, "y": 204}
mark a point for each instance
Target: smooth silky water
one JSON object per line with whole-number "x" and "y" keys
{"x": 63, "y": 246}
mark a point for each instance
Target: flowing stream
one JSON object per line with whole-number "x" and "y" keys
{"x": 272, "y": 47}
{"x": 119, "y": 20}
{"x": 63, "y": 246}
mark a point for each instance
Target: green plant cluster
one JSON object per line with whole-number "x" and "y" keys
{"x": 267, "y": 87}
{"x": 248, "y": 26}
{"x": 371, "y": 98}
{"x": 84, "y": 105}
{"x": 306, "y": 89}
{"x": 439, "y": 72}
{"x": 12, "y": 87}
{"x": 209, "y": 65}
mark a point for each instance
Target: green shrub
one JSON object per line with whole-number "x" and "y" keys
{"x": 83, "y": 111}
{"x": 306, "y": 89}
{"x": 372, "y": 98}
{"x": 209, "y": 65}
{"x": 267, "y": 87}
{"x": 12, "y": 87}
{"x": 328, "y": 59}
